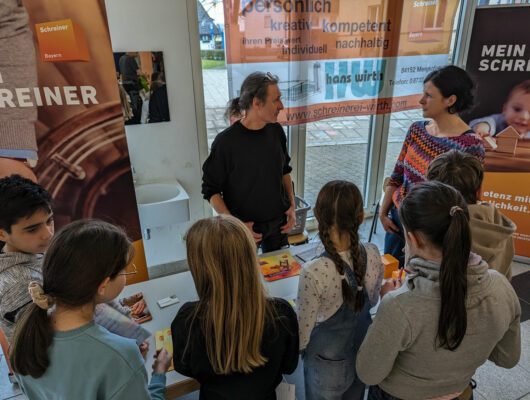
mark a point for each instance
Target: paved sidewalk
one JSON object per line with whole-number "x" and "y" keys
{"x": 336, "y": 147}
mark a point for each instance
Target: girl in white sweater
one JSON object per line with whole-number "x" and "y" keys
{"x": 335, "y": 294}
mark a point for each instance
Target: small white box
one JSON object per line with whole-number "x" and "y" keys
{"x": 167, "y": 301}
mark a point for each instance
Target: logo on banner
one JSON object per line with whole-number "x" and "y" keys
{"x": 358, "y": 78}
{"x": 61, "y": 40}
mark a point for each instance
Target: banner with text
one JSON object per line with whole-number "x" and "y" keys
{"x": 60, "y": 110}
{"x": 340, "y": 57}
{"x": 499, "y": 61}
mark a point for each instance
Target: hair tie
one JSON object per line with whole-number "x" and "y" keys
{"x": 41, "y": 299}
{"x": 454, "y": 209}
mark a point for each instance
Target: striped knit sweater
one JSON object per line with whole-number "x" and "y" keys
{"x": 419, "y": 149}
{"x": 16, "y": 271}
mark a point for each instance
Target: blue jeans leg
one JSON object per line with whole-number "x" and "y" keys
{"x": 395, "y": 241}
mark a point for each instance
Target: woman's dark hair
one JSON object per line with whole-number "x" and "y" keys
{"x": 80, "y": 257}
{"x": 460, "y": 170}
{"x": 340, "y": 204}
{"x": 451, "y": 80}
{"x": 439, "y": 213}
{"x": 254, "y": 86}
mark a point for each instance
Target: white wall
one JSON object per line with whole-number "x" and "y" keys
{"x": 168, "y": 150}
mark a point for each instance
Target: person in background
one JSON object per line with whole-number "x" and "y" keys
{"x": 446, "y": 92}
{"x": 515, "y": 113}
{"x": 158, "y": 103}
{"x": 335, "y": 293}
{"x": 18, "y": 141}
{"x": 451, "y": 315}
{"x": 491, "y": 231}
{"x": 247, "y": 173}
{"x": 234, "y": 340}
{"x": 58, "y": 350}
{"x": 129, "y": 71}
{"x": 26, "y": 229}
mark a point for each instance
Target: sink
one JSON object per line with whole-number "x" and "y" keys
{"x": 162, "y": 204}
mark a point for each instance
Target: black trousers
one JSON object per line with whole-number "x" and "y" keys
{"x": 273, "y": 238}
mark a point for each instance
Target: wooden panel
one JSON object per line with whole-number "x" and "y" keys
{"x": 182, "y": 388}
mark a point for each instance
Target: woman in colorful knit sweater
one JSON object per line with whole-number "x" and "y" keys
{"x": 446, "y": 92}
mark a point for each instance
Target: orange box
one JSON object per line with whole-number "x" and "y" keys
{"x": 391, "y": 264}
{"x": 61, "y": 40}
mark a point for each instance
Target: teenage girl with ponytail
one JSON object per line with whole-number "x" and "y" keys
{"x": 335, "y": 293}
{"x": 452, "y": 314}
{"x": 58, "y": 351}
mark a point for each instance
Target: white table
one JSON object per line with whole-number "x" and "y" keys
{"x": 182, "y": 285}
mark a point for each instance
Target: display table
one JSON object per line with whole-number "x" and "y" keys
{"x": 182, "y": 286}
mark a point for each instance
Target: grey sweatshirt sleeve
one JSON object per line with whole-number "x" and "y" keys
{"x": 389, "y": 334}
{"x": 507, "y": 352}
{"x": 17, "y": 70}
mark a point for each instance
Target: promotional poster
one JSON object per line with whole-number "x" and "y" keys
{"x": 338, "y": 58}
{"x": 499, "y": 61}
{"x": 60, "y": 110}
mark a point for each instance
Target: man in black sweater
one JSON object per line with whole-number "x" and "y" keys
{"x": 247, "y": 173}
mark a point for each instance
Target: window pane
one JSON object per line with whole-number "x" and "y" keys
{"x": 336, "y": 149}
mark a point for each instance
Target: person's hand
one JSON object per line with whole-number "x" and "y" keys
{"x": 162, "y": 361}
{"x": 389, "y": 286}
{"x": 138, "y": 307}
{"x": 388, "y": 224}
{"x": 291, "y": 220}
{"x": 144, "y": 349}
{"x": 257, "y": 236}
{"x": 482, "y": 129}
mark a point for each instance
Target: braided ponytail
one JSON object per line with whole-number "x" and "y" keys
{"x": 339, "y": 205}
{"x": 359, "y": 267}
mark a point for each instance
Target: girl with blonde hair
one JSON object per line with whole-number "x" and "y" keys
{"x": 234, "y": 340}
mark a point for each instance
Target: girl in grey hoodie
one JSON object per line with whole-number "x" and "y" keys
{"x": 449, "y": 317}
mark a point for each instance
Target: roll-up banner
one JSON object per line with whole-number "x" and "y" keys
{"x": 60, "y": 109}
{"x": 339, "y": 57}
{"x": 499, "y": 61}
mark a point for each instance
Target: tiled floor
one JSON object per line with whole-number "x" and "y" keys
{"x": 493, "y": 383}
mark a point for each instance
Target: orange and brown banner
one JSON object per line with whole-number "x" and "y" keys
{"x": 58, "y": 87}
{"x": 340, "y": 57}
{"x": 499, "y": 60}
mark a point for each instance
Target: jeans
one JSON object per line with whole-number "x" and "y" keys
{"x": 329, "y": 359}
{"x": 273, "y": 238}
{"x": 395, "y": 241}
